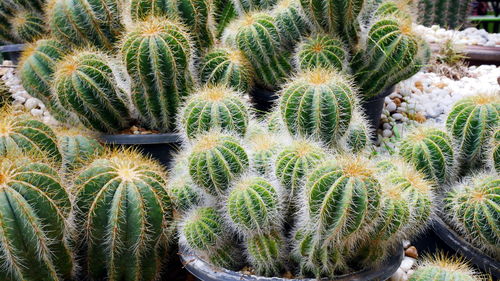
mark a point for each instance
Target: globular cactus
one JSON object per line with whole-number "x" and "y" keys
{"x": 224, "y": 13}
{"x": 290, "y": 22}
{"x": 470, "y": 123}
{"x": 85, "y": 84}
{"x": 430, "y": 150}
{"x": 215, "y": 107}
{"x": 253, "y": 206}
{"x": 185, "y": 195}
{"x": 77, "y": 149}
{"x": 198, "y": 16}
{"x": 215, "y": 160}
{"x": 321, "y": 51}
{"x": 245, "y": 6}
{"x": 473, "y": 208}
{"x": 5, "y": 95}
{"x": 442, "y": 268}
{"x": 319, "y": 104}
{"x": 263, "y": 149}
{"x": 34, "y": 209}
{"x": 266, "y": 253}
{"x": 275, "y": 124}
{"x": 142, "y": 9}
{"x": 227, "y": 66}
{"x": 161, "y": 76}
{"x": 37, "y": 66}
{"x": 24, "y": 135}
{"x": 494, "y": 151}
{"x": 358, "y": 135}
{"x": 85, "y": 22}
{"x": 124, "y": 215}
{"x": 27, "y": 26}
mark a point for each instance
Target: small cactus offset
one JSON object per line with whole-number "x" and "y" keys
{"x": 28, "y": 26}
{"x": 215, "y": 107}
{"x": 77, "y": 149}
{"x": 157, "y": 54}
{"x": 290, "y": 22}
{"x": 185, "y": 195}
{"x": 142, "y": 9}
{"x": 430, "y": 150}
{"x": 321, "y": 50}
{"x": 358, "y": 135}
{"x": 442, "y": 268}
{"x": 319, "y": 104}
{"x": 85, "y": 84}
{"x": 266, "y": 253}
{"x": 215, "y": 160}
{"x": 471, "y": 122}
{"x": 124, "y": 215}
{"x": 33, "y": 212}
{"x": 494, "y": 153}
{"x": 198, "y": 16}
{"x": 263, "y": 149}
{"x": 227, "y": 66}
{"x": 245, "y": 6}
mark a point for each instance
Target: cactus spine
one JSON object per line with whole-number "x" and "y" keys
{"x": 33, "y": 210}
{"x": 27, "y": 26}
{"x": 443, "y": 268}
{"x": 224, "y": 13}
{"x": 318, "y": 104}
{"x": 321, "y": 50}
{"x": 142, "y": 9}
{"x": 471, "y": 122}
{"x": 185, "y": 195}
{"x": 290, "y": 22}
{"x": 245, "y": 6}
{"x": 198, "y": 16}
{"x": 358, "y": 136}
{"x": 5, "y": 95}
{"x": 124, "y": 214}
{"x": 85, "y": 84}
{"x": 157, "y": 54}
{"x": 264, "y": 148}
{"x": 77, "y": 149}
{"x": 494, "y": 153}
{"x": 266, "y": 253}
{"x": 451, "y": 14}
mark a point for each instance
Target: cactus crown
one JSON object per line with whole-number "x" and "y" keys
{"x": 445, "y": 268}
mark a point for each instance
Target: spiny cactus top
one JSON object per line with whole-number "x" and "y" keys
{"x": 244, "y": 6}
{"x": 124, "y": 216}
{"x": 494, "y": 150}
{"x": 203, "y": 229}
{"x": 358, "y": 135}
{"x": 215, "y": 107}
{"x": 28, "y": 26}
{"x": 443, "y": 268}
{"x": 142, "y": 9}
{"x": 321, "y": 50}
{"x": 185, "y": 195}
{"x": 77, "y": 149}
{"x": 264, "y": 147}
{"x": 33, "y": 209}
{"x": 318, "y": 104}
{"x": 290, "y": 22}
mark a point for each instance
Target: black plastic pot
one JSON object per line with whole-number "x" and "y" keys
{"x": 373, "y": 108}
{"x": 207, "y": 272}
{"x": 12, "y": 52}
{"x": 263, "y": 99}
{"x": 158, "y": 146}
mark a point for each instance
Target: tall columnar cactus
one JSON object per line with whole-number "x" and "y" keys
{"x": 124, "y": 215}
{"x": 253, "y": 206}
{"x": 85, "y": 84}
{"x": 266, "y": 253}
{"x": 198, "y": 16}
{"x": 358, "y": 135}
{"x": 290, "y": 22}
{"x": 33, "y": 212}
{"x": 245, "y": 6}
{"x": 142, "y": 9}
{"x": 321, "y": 50}
{"x": 185, "y": 195}
{"x": 318, "y": 104}
{"x": 215, "y": 107}
{"x": 227, "y": 66}
{"x": 157, "y": 54}
{"x": 443, "y": 268}
{"x": 23, "y": 135}
{"x": 77, "y": 149}
{"x": 36, "y": 71}
{"x": 471, "y": 122}
{"x": 494, "y": 152}
{"x": 473, "y": 208}
{"x": 28, "y": 26}
{"x": 215, "y": 160}
{"x": 450, "y": 14}
{"x": 430, "y": 150}
{"x": 85, "y": 22}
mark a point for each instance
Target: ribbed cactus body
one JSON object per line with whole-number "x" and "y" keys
{"x": 444, "y": 269}
{"x": 33, "y": 210}
{"x": 142, "y": 9}
{"x": 36, "y": 71}
{"x": 203, "y": 229}
{"x": 266, "y": 253}
{"x": 358, "y": 136}
{"x": 85, "y": 22}
{"x": 494, "y": 153}
{"x": 185, "y": 195}
{"x": 430, "y": 150}
{"x": 451, "y": 14}
{"x": 85, "y": 84}
{"x": 77, "y": 149}
{"x": 124, "y": 214}
{"x": 245, "y": 6}
{"x": 28, "y": 26}
{"x": 290, "y": 22}
{"x": 471, "y": 122}
{"x": 215, "y": 160}
{"x": 5, "y": 95}
{"x": 227, "y": 66}
{"x": 215, "y": 107}
{"x": 263, "y": 149}
{"x": 224, "y": 13}
{"x": 394, "y": 215}
{"x": 318, "y": 104}
{"x": 198, "y": 16}
{"x": 157, "y": 54}
{"x": 323, "y": 51}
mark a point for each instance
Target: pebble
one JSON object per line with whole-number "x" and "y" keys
{"x": 387, "y": 126}
{"x": 406, "y": 244}
{"x": 391, "y": 107}
{"x": 399, "y": 275}
{"x": 468, "y": 36}
{"x": 397, "y": 116}
{"x": 387, "y": 133}
{"x": 36, "y": 112}
{"x": 31, "y": 103}
{"x": 407, "y": 264}
{"x": 411, "y": 252}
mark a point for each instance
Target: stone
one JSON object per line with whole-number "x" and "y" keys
{"x": 31, "y": 103}
{"x": 399, "y": 275}
{"x": 411, "y": 252}
{"x": 407, "y": 263}
{"x": 387, "y": 133}
{"x": 397, "y": 116}
{"x": 391, "y": 106}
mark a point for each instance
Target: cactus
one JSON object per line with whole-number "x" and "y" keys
{"x": 85, "y": 84}
{"x": 227, "y": 66}
{"x": 494, "y": 153}
{"x": 185, "y": 195}
{"x": 290, "y": 22}
{"x": 23, "y": 135}
{"x": 36, "y": 71}
{"x": 198, "y": 16}
{"x": 473, "y": 208}
{"x": 263, "y": 149}
{"x": 431, "y": 152}
{"x": 321, "y": 50}
{"x": 84, "y": 22}
{"x": 215, "y": 107}
{"x": 252, "y": 206}
{"x": 33, "y": 210}
{"x": 161, "y": 76}
{"x": 142, "y": 9}
{"x": 215, "y": 160}
{"x": 27, "y": 26}
{"x": 245, "y": 6}
{"x": 451, "y": 14}
{"x": 471, "y": 122}
{"x": 318, "y": 104}
{"x": 224, "y": 13}
{"x": 5, "y": 95}
{"x": 77, "y": 149}
{"x": 358, "y": 135}
{"x": 275, "y": 124}
{"x": 442, "y": 268}
{"x": 266, "y": 253}
{"x": 124, "y": 215}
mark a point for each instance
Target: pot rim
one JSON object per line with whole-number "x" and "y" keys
{"x": 128, "y": 139}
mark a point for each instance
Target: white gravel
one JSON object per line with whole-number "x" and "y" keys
{"x": 469, "y": 36}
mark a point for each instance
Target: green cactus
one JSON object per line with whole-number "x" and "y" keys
{"x": 245, "y": 6}
{"x": 37, "y": 66}
{"x": 224, "y": 13}
{"x": 473, "y": 208}
{"x": 358, "y": 135}
{"x": 318, "y": 104}
{"x": 34, "y": 209}
{"x": 471, "y": 122}
{"x": 494, "y": 153}
{"x": 5, "y": 95}
{"x": 266, "y": 253}
{"x": 442, "y": 268}
{"x": 124, "y": 215}
{"x": 263, "y": 148}
{"x": 321, "y": 50}
{"x": 253, "y": 206}
{"x": 227, "y": 66}
{"x": 77, "y": 149}
{"x": 430, "y": 150}
{"x": 157, "y": 54}
{"x": 215, "y": 160}
{"x": 185, "y": 195}
{"x": 27, "y": 26}
{"x": 142, "y": 9}
{"x": 275, "y": 124}
{"x": 451, "y": 14}
{"x": 215, "y": 107}
{"x": 85, "y": 84}
{"x": 290, "y": 22}
{"x": 198, "y": 16}
{"x": 85, "y": 22}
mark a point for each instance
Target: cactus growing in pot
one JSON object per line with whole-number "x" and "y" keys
{"x": 185, "y": 195}
{"x": 263, "y": 149}
{"x": 198, "y": 16}
{"x": 290, "y": 22}
{"x": 77, "y": 148}
{"x": 321, "y": 50}
{"x": 266, "y": 253}
{"x": 358, "y": 135}
{"x": 142, "y": 9}
{"x": 27, "y": 26}
{"x": 442, "y": 268}
{"x": 494, "y": 152}
{"x": 245, "y": 6}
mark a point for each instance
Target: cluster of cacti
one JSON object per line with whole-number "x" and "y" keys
{"x": 450, "y": 14}
{"x": 21, "y": 21}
